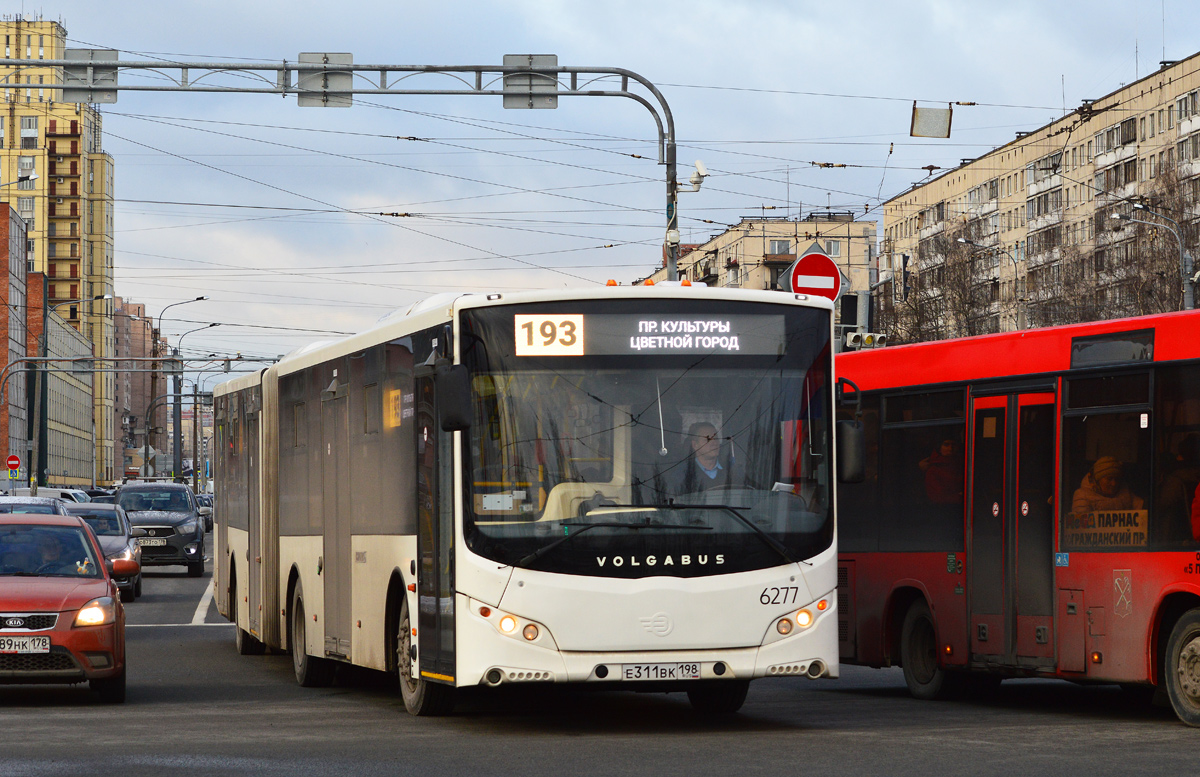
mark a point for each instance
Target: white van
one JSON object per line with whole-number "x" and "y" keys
{"x": 65, "y": 494}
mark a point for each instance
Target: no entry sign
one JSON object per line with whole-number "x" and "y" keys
{"x": 816, "y": 274}
{"x": 14, "y": 462}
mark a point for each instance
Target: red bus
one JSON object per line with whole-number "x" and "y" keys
{"x": 1029, "y": 509}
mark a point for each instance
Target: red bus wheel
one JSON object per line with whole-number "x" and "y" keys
{"x": 919, "y": 656}
{"x": 1182, "y": 668}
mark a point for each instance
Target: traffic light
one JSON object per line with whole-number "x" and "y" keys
{"x": 865, "y": 340}
{"x": 904, "y": 271}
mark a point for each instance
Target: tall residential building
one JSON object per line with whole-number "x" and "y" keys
{"x": 1025, "y": 235}
{"x": 134, "y": 338}
{"x": 13, "y": 429}
{"x": 68, "y": 207}
{"x": 65, "y": 410}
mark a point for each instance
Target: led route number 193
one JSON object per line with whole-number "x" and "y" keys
{"x": 548, "y": 335}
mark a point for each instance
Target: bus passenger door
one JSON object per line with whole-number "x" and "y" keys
{"x": 336, "y": 511}
{"x": 435, "y": 539}
{"x": 1012, "y": 535}
{"x": 253, "y": 565}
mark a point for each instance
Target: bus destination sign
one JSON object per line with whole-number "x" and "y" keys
{"x": 1106, "y": 529}
{"x": 669, "y": 334}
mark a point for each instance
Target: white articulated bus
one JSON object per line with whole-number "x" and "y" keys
{"x": 630, "y": 486}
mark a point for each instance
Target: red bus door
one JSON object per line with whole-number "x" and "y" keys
{"x": 1011, "y": 563}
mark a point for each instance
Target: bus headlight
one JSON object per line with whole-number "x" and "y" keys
{"x": 508, "y": 624}
{"x": 804, "y": 619}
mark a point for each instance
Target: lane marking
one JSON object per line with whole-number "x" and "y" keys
{"x": 202, "y": 607}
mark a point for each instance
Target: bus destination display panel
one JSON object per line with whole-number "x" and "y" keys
{"x": 622, "y": 334}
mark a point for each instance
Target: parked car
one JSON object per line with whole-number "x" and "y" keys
{"x": 118, "y": 539}
{"x": 171, "y": 519}
{"x": 32, "y": 505}
{"x": 104, "y": 499}
{"x": 61, "y": 620}
{"x": 206, "y": 510}
{"x": 65, "y": 494}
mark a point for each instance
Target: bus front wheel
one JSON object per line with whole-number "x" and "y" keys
{"x": 919, "y": 656}
{"x": 1182, "y": 668}
{"x": 421, "y": 697}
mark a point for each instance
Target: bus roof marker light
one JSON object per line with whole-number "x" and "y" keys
{"x": 611, "y": 282}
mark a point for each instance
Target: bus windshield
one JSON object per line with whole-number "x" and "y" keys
{"x": 618, "y": 441}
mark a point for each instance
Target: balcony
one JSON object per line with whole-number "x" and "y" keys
{"x": 778, "y": 260}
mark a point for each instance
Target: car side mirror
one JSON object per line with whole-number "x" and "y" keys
{"x": 137, "y": 531}
{"x": 122, "y": 567}
{"x": 204, "y": 512}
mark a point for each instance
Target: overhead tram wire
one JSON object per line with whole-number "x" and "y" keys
{"x": 320, "y": 202}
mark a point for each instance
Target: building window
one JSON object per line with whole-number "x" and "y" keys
{"x": 781, "y": 246}
{"x": 833, "y": 247}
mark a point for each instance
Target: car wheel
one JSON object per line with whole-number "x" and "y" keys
{"x": 421, "y": 698}
{"x": 196, "y": 568}
{"x": 311, "y": 671}
{"x": 127, "y": 594}
{"x": 137, "y": 586}
{"x": 722, "y": 697}
{"x": 111, "y": 689}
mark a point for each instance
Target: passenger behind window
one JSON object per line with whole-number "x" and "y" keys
{"x": 943, "y": 475}
{"x": 1104, "y": 488}
{"x": 1176, "y": 493}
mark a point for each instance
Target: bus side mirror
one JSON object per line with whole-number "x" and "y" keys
{"x": 851, "y": 452}
{"x": 454, "y": 397}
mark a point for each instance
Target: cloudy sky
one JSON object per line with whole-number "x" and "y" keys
{"x": 267, "y": 207}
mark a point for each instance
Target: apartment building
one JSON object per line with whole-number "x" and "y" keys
{"x": 753, "y": 253}
{"x": 13, "y": 412}
{"x": 1025, "y": 235}
{"x": 62, "y": 186}
{"x": 65, "y": 410}
{"x": 133, "y": 338}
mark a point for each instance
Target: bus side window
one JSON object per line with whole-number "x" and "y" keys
{"x": 1177, "y": 457}
{"x": 1106, "y": 480}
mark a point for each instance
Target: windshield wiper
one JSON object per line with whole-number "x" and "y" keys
{"x": 583, "y": 527}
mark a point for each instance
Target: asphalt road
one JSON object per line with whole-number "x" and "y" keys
{"x": 196, "y": 707}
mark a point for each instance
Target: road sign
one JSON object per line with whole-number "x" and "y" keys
{"x": 816, "y": 274}
{"x": 14, "y": 461}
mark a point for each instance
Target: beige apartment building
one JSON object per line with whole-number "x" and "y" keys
{"x": 1025, "y": 235}
{"x": 753, "y": 253}
{"x": 68, "y": 206}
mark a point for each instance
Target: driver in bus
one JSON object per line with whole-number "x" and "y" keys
{"x": 1104, "y": 488}
{"x": 704, "y": 470}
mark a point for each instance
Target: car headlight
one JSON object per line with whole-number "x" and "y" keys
{"x": 97, "y": 612}
{"x": 124, "y": 555}
{"x": 186, "y": 528}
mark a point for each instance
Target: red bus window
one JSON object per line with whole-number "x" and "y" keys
{"x": 1175, "y": 522}
{"x": 1106, "y": 481}
{"x": 1108, "y": 391}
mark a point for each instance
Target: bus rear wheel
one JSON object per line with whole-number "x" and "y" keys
{"x": 1182, "y": 668}
{"x": 311, "y": 671}
{"x": 247, "y": 644}
{"x": 421, "y": 697}
{"x": 919, "y": 656}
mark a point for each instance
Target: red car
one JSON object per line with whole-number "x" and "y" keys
{"x": 61, "y": 619}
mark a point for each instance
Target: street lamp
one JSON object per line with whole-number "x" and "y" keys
{"x": 1016, "y": 295}
{"x": 154, "y": 335}
{"x": 21, "y": 178}
{"x": 177, "y": 458}
{"x": 1185, "y": 263}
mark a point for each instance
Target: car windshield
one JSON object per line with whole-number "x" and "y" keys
{"x": 54, "y": 551}
{"x": 163, "y": 500}
{"x": 40, "y": 509}
{"x": 104, "y": 524}
{"x": 682, "y": 455}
